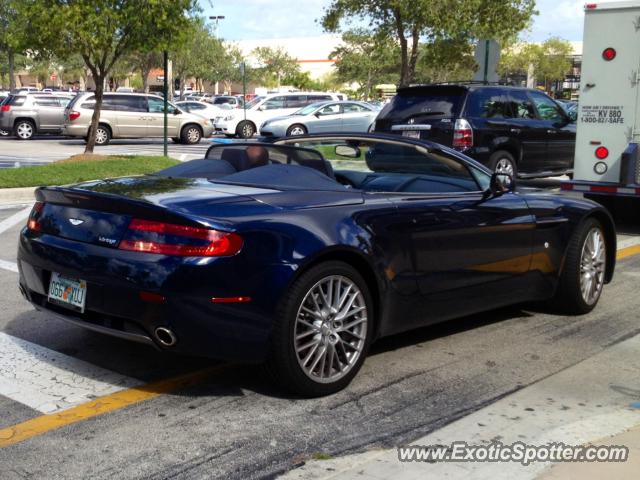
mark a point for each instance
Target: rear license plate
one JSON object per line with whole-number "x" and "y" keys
{"x": 67, "y": 292}
{"x": 411, "y": 133}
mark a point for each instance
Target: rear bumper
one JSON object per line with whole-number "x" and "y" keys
{"x": 231, "y": 331}
{"x": 601, "y": 188}
{"x": 75, "y": 130}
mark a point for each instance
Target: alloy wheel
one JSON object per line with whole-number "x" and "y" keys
{"x": 504, "y": 166}
{"x": 193, "y": 135}
{"x": 24, "y": 130}
{"x": 592, "y": 266}
{"x": 330, "y": 329}
{"x": 297, "y": 131}
{"x": 101, "y": 136}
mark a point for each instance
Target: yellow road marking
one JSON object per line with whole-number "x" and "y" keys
{"x": 108, "y": 403}
{"x": 628, "y": 252}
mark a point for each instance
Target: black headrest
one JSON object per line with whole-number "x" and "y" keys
{"x": 237, "y": 158}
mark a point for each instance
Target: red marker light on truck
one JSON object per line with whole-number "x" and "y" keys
{"x": 180, "y": 240}
{"x": 609, "y": 54}
{"x": 602, "y": 153}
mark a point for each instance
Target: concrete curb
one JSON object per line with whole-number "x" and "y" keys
{"x": 9, "y": 196}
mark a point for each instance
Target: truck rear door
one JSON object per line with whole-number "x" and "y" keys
{"x": 608, "y": 108}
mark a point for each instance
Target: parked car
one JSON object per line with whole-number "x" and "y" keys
{"x": 570, "y": 107}
{"x": 26, "y": 90}
{"x": 244, "y": 122}
{"x": 302, "y": 252}
{"x": 26, "y": 114}
{"x": 322, "y": 117}
{"x": 3, "y": 97}
{"x": 133, "y": 115}
{"x": 228, "y": 101}
{"x": 201, "y": 108}
{"x": 199, "y": 97}
{"x": 514, "y": 130}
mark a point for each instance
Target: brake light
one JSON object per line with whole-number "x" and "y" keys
{"x": 591, "y": 6}
{"x": 609, "y": 54}
{"x": 73, "y": 115}
{"x": 5, "y": 108}
{"x": 602, "y": 153}
{"x": 462, "y": 134}
{"x": 180, "y": 240}
{"x": 33, "y": 223}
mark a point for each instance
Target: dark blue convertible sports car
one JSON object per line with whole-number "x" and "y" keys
{"x": 300, "y": 252}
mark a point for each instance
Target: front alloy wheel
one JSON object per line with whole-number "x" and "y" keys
{"x": 592, "y": 265}
{"x": 504, "y": 166}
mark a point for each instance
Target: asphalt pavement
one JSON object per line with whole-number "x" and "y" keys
{"x": 232, "y": 423}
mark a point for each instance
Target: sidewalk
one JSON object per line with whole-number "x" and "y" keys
{"x": 596, "y": 401}
{"x": 11, "y": 196}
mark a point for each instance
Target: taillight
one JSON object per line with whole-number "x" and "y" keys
{"x": 462, "y": 134}
{"x": 33, "y": 223}
{"x": 180, "y": 240}
{"x": 73, "y": 115}
{"x": 5, "y": 108}
{"x": 602, "y": 153}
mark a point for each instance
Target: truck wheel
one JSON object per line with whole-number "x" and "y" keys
{"x": 24, "y": 129}
{"x": 503, "y": 162}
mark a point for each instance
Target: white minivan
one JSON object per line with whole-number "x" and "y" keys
{"x": 244, "y": 123}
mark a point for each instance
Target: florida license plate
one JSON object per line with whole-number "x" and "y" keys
{"x": 67, "y": 292}
{"x": 411, "y": 133}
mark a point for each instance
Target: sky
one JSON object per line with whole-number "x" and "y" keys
{"x": 258, "y": 19}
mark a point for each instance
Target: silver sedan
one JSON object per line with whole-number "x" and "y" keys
{"x": 323, "y": 117}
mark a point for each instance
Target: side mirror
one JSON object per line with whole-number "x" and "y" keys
{"x": 347, "y": 151}
{"x": 317, "y": 114}
{"x": 177, "y": 111}
{"x": 262, "y": 108}
{"x": 500, "y": 183}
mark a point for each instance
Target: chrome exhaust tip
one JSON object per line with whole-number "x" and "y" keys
{"x": 165, "y": 337}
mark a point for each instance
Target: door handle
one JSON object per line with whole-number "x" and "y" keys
{"x": 515, "y": 130}
{"x": 551, "y": 131}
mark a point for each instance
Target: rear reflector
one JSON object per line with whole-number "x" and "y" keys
{"x": 609, "y": 54}
{"x": 33, "y": 223}
{"x": 230, "y": 299}
{"x": 180, "y": 240}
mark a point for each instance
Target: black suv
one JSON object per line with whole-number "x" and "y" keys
{"x": 513, "y": 130}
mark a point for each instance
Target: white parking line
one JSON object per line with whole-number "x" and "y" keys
{"x": 49, "y": 381}
{"x": 11, "y": 266}
{"x": 14, "y": 219}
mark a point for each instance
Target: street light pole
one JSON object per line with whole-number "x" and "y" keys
{"x": 216, "y": 19}
{"x": 165, "y": 89}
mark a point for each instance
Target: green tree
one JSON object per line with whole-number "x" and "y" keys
{"x": 366, "y": 59}
{"x": 550, "y": 60}
{"x": 143, "y": 61}
{"x": 445, "y": 60}
{"x": 411, "y": 21}
{"x": 12, "y": 36}
{"x": 275, "y": 65}
{"x": 102, "y": 32}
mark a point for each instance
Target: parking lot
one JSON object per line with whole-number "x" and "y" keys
{"x": 153, "y": 415}
{"x": 48, "y": 148}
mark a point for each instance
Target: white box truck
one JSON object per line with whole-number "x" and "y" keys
{"x": 607, "y": 156}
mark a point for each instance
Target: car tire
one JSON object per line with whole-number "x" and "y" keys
{"x": 191, "y": 134}
{"x": 245, "y": 129}
{"x": 4, "y": 133}
{"x": 296, "y": 129}
{"x": 503, "y": 162}
{"x": 24, "y": 129}
{"x": 297, "y": 339}
{"x": 582, "y": 279}
{"x": 103, "y": 135}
